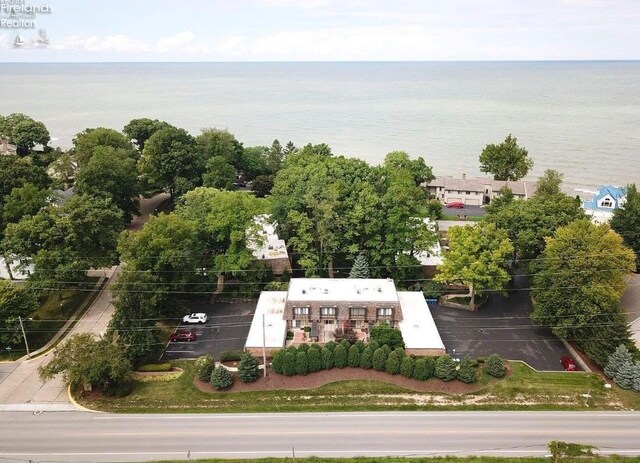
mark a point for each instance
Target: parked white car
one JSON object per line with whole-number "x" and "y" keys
{"x": 195, "y": 318}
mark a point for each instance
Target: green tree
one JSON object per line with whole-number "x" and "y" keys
{"x": 430, "y": 367}
{"x": 277, "y": 362}
{"x": 15, "y": 302}
{"x": 494, "y": 366}
{"x": 476, "y": 257}
{"x": 354, "y": 356}
{"x": 366, "y": 358}
{"x": 549, "y": 184}
{"x": 289, "y": 364}
{"x": 579, "y": 281}
{"x": 219, "y": 174}
{"x": 169, "y": 161}
{"x": 248, "y": 368}
{"x": 111, "y": 173}
{"x": 27, "y": 134}
{"x": 399, "y": 160}
{"x": 340, "y": 356}
{"x": 626, "y": 221}
{"x": 63, "y": 170}
{"x": 204, "y": 367}
{"x": 15, "y": 172}
{"x": 302, "y": 363}
{"x": 392, "y": 365}
{"x": 214, "y": 142}
{"x": 221, "y": 378}
{"x": 384, "y": 334}
{"x": 434, "y": 209}
{"x": 467, "y": 372}
{"x": 140, "y": 130}
{"x": 327, "y": 359}
{"x": 84, "y": 360}
{"x": 379, "y": 361}
{"x": 420, "y": 369}
{"x": 360, "y": 268}
{"x": 504, "y": 198}
{"x": 25, "y": 201}
{"x": 262, "y": 185}
{"x": 445, "y": 368}
{"x": 506, "y": 161}
{"x": 88, "y": 140}
{"x": 406, "y": 366}
{"x": 315, "y": 359}
{"x": 621, "y": 356}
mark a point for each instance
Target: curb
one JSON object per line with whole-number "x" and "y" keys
{"x": 576, "y": 356}
{"x": 77, "y": 405}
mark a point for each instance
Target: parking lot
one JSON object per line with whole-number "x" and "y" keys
{"x": 502, "y": 326}
{"x": 226, "y": 329}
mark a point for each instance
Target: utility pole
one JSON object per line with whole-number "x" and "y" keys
{"x": 26, "y": 343}
{"x": 264, "y": 347}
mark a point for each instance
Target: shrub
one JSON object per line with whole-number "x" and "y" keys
{"x": 361, "y": 346}
{"x": 494, "y": 366}
{"x": 231, "y": 355}
{"x": 302, "y": 363}
{"x": 289, "y": 364}
{"x": 277, "y": 362}
{"x": 387, "y": 350}
{"x": 420, "y": 369}
{"x": 625, "y": 376}
{"x": 202, "y": 360}
{"x": 303, "y": 347}
{"x": 340, "y": 356}
{"x": 445, "y": 368}
{"x": 379, "y": 361}
{"x": 366, "y": 359}
{"x": 385, "y": 334}
{"x": 204, "y": 367}
{"x": 292, "y": 349}
{"x": 466, "y": 372}
{"x": 327, "y": 359}
{"x": 221, "y": 379}
{"x": 307, "y": 329}
{"x": 330, "y": 345}
{"x": 315, "y": 359}
{"x": 289, "y": 335}
{"x": 374, "y": 345}
{"x": 406, "y": 367}
{"x": 316, "y": 346}
{"x": 354, "y": 356}
{"x": 124, "y": 389}
{"x": 156, "y": 367}
{"x": 401, "y": 352}
{"x": 620, "y": 357}
{"x": 393, "y": 363}
{"x": 248, "y": 368}
{"x": 430, "y": 365}
{"x": 346, "y": 344}
{"x": 346, "y": 334}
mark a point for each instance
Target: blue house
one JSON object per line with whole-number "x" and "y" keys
{"x": 604, "y": 202}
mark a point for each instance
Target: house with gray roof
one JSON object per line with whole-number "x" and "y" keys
{"x": 476, "y": 191}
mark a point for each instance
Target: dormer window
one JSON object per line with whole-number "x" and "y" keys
{"x": 606, "y": 202}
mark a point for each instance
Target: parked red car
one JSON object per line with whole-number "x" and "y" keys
{"x": 568, "y": 364}
{"x": 455, "y": 205}
{"x": 183, "y": 335}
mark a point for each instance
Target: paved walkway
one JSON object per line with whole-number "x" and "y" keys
{"x": 20, "y": 385}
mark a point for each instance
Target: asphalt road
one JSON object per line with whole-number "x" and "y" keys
{"x": 79, "y": 436}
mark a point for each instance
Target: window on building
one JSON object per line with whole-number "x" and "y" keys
{"x": 606, "y": 202}
{"x": 357, "y": 313}
{"x": 384, "y": 313}
{"x": 300, "y": 312}
{"x": 468, "y": 192}
{"x": 327, "y": 312}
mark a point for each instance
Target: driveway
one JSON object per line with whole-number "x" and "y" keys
{"x": 226, "y": 329}
{"x": 468, "y": 210}
{"x": 502, "y": 326}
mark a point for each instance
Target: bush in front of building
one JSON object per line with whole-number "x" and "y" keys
{"x": 331, "y": 345}
{"x": 303, "y": 347}
{"x": 392, "y": 365}
{"x": 361, "y": 346}
{"x": 420, "y": 369}
{"x": 316, "y": 346}
{"x": 248, "y": 368}
{"x": 315, "y": 359}
{"x": 289, "y": 364}
{"x": 231, "y": 355}
{"x": 430, "y": 365}
{"x": 466, "y": 371}
{"x": 354, "y": 356}
{"x": 221, "y": 379}
{"x": 204, "y": 367}
{"x": 494, "y": 366}
{"x": 386, "y": 335}
{"x": 327, "y": 358}
{"x": 406, "y": 366}
{"x": 445, "y": 368}
{"x": 373, "y": 345}
{"x": 277, "y": 361}
{"x": 340, "y": 356}
{"x": 346, "y": 344}
{"x": 302, "y": 363}
{"x": 379, "y": 361}
{"x": 366, "y": 359}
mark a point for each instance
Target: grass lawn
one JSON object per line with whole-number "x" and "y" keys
{"x": 610, "y": 459}
{"x": 525, "y": 389}
{"x": 48, "y": 319}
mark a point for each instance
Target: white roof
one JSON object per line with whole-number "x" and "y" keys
{"x": 17, "y": 274}
{"x": 271, "y": 305}
{"x": 431, "y": 257}
{"x": 342, "y": 289}
{"x": 444, "y": 225}
{"x": 418, "y": 329}
{"x": 272, "y": 247}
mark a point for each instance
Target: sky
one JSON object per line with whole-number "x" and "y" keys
{"x": 323, "y": 30}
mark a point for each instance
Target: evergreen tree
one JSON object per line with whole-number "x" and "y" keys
{"x": 330, "y": 345}
{"x": 327, "y": 358}
{"x": 406, "y": 367}
{"x": 346, "y": 344}
{"x": 626, "y": 221}
{"x": 289, "y": 364}
{"x": 303, "y": 347}
{"x": 466, "y": 372}
{"x": 636, "y": 377}
{"x": 354, "y": 356}
{"x": 302, "y": 363}
{"x": 221, "y": 379}
{"x": 366, "y": 359}
{"x": 430, "y": 367}
{"x": 625, "y": 375}
{"x": 620, "y": 357}
{"x": 494, "y": 366}
{"x": 379, "y": 360}
{"x": 277, "y": 362}
{"x": 315, "y": 359}
{"x": 420, "y": 369}
{"x": 361, "y": 346}
{"x": 360, "y": 267}
{"x": 445, "y": 368}
{"x": 340, "y": 356}
{"x": 248, "y": 368}
{"x": 373, "y": 345}
{"x": 392, "y": 364}
{"x": 204, "y": 367}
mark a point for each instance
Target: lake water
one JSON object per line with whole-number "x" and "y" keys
{"x": 582, "y": 118}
